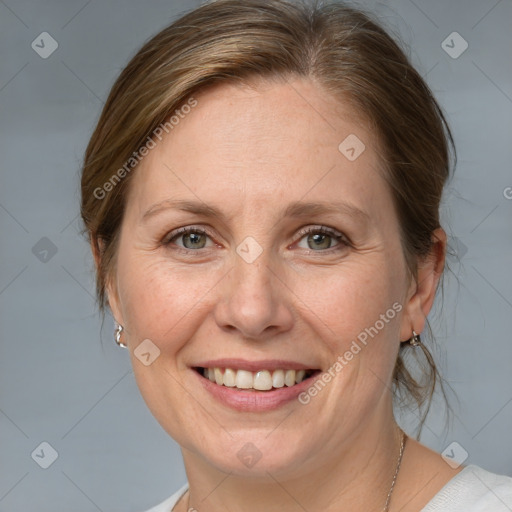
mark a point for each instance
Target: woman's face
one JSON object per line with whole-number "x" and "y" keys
{"x": 291, "y": 260}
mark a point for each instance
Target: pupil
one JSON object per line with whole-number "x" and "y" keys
{"x": 322, "y": 241}
{"x": 194, "y": 239}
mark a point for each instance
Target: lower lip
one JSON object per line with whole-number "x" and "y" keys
{"x": 255, "y": 401}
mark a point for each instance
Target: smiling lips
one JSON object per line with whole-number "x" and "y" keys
{"x": 262, "y": 380}
{"x": 254, "y": 385}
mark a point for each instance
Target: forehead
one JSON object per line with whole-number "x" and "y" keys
{"x": 268, "y": 121}
{"x": 280, "y": 141}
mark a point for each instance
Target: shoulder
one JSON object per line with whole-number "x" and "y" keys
{"x": 473, "y": 490}
{"x": 168, "y": 504}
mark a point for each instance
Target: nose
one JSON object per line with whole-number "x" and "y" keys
{"x": 254, "y": 301}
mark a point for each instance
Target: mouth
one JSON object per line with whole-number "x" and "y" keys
{"x": 258, "y": 381}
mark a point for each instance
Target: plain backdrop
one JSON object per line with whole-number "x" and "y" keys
{"x": 64, "y": 382}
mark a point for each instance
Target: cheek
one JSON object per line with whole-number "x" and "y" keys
{"x": 349, "y": 300}
{"x": 166, "y": 305}
{"x": 356, "y": 311}
{"x": 162, "y": 302}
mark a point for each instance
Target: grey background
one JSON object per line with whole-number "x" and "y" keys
{"x": 62, "y": 379}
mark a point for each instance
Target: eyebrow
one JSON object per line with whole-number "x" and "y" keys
{"x": 295, "y": 209}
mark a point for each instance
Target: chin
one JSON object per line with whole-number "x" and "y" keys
{"x": 255, "y": 456}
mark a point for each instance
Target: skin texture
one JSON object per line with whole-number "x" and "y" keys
{"x": 250, "y": 152}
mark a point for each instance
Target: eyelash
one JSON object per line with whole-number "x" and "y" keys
{"x": 338, "y": 237}
{"x": 324, "y": 230}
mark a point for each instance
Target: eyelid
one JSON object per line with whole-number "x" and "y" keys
{"x": 183, "y": 231}
{"x": 320, "y": 228}
{"x": 334, "y": 233}
{"x": 337, "y": 235}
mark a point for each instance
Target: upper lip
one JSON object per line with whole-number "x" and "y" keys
{"x": 254, "y": 366}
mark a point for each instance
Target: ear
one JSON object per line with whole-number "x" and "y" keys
{"x": 97, "y": 247}
{"x": 110, "y": 288}
{"x": 422, "y": 290}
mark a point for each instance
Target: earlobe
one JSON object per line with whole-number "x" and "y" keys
{"x": 113, "y": 300}
{"x": 423, "y": 288}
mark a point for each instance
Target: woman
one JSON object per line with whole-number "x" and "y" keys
{"x": 262, "y": 199}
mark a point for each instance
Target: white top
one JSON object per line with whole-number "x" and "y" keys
{"x": 472, "y": 490}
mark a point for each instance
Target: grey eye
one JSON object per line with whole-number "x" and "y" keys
{"x": 190, "y": 238}
{"x": 320, "y": 239}
{"x": 194, "y": 240}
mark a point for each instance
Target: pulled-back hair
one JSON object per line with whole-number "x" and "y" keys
{"x": 239, "y": 41}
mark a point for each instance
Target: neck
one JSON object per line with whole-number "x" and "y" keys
{"x": 357, "y": 477}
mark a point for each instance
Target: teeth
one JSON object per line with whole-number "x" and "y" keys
{"x": 299, "y": 376}
{"x": 218, "y": 376}
{"x": 289, "y": 377}
{"x": 278, "y": 379}
{"x": 262, "y": 380}
{"x": 244, "y": 379}
{"x": 229, "y": 378}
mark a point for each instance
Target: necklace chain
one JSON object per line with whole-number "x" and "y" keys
{"x": 388, "y": 498}
{"x": 399, "y": 463}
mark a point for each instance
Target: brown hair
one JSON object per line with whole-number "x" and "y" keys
{"x": 237, "y": 41}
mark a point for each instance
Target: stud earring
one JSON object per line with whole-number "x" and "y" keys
{"x": 117, "y": 335}
{"x": 415, "y": 340}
